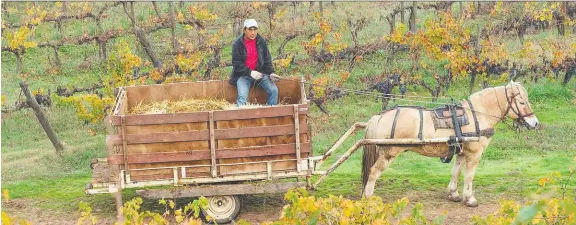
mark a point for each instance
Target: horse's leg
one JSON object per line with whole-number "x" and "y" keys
{"x": 471, "y": 163}
{"x": 453, "y": 185}
{"x": 381, "y": 164}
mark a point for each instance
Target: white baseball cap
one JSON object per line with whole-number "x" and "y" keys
{"x": 250, "y": 23}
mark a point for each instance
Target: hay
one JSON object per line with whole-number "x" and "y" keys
{"x": 189, "y": 105}
{"x": 185, "y": 105}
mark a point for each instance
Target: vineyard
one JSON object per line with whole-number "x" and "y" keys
{"x": 73, "y": 56}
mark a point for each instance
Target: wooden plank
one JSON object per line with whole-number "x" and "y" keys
{"x": 297, "y": 131}
{"x": 148, "y": 177}
{"x": 183, "y": 146}
{"x": 212, "y": 144}
{"x": 165, "y": 128}
{"x": 303, "y": 99}
{"x": 216, "y": 190}
{"x": 145, "y": 94}
{"x": 260, "y": 151}
{"x": 258, "y": 112}
{"x": 134, "y": 120}
{"x": 118, "y": 101}
{"x": 124, "y": 144}
{"x": 289, "y": 92}
{"x": 206, "y": 154}
{"x": 264, "y": 131}
{"x": 159, "y": 157}
{"x": 160, "y": 137}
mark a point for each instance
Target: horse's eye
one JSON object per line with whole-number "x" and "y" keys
{"x": 521, "y": 103}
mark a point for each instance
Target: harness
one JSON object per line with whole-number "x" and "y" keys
{"x": 455, "y": 141}
{"x": 516, "y": 111}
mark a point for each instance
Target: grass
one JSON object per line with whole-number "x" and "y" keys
{"x": 509, "y": 168}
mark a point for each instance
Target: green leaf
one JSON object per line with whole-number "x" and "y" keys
{"x": 314, "y": 218}
{"x": 439, "y": 220}
{"x": 527, "y": 213}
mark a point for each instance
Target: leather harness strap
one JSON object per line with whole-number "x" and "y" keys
{"x": 394, "y": 123}
{"x": 421, "y": 122}
{"x": 476, "y": 124}
{"x": 455, "y": 142}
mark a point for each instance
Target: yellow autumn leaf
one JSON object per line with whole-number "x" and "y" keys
{"x": 542, "y": 181}
{"x": 5, "y": 218}
{"x": 6, "y": 195}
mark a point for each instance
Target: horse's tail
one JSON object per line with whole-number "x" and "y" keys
{"x": 370, "y": 155}
{"x": 368, "y": 160}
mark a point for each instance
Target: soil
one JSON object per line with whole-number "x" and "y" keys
{"x": 258, "y": 209}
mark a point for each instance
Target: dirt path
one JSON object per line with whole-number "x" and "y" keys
{"x": 257, "y": 209}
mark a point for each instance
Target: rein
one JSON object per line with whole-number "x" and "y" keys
{"x": 509, "y": 100}
{"x": 398, "y": 97}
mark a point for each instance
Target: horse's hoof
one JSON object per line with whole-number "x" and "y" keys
{"x": 456, "y": 198}
{"x": 472, "y": 204}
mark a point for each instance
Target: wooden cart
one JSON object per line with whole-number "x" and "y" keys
{"x": 217, "y": 154}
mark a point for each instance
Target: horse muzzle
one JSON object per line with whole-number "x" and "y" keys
{"x": 531, "y": 122}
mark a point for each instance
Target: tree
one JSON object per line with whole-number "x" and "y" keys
{"x": 42, "y": 119}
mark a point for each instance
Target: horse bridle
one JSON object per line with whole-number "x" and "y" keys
{"x": 516, "y": 110}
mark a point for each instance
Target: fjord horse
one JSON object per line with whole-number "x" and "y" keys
{"x": 491, "y": 106}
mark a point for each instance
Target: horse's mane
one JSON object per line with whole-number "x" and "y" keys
{"x": 481, "y": 91}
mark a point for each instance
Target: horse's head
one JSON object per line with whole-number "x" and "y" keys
{"x": 519, "y": 107}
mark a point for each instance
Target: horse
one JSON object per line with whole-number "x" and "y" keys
{"x": 490, "y": 106}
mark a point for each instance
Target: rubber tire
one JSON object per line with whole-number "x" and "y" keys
{"x": 229, "y": 218}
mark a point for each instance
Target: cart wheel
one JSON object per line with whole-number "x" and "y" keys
{"x": 222, "y": 209}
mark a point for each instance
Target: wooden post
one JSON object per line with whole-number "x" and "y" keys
{"x": 303, "y": 99}
{"x": 43, "y": 121}
{"x": 297, "y": 136}
{"x": 119, "y": 204}
{"x": 124, "y": 145}
{"x": 175, "y": 173}
{"x": 212, "y": 144}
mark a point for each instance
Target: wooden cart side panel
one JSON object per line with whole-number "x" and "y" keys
{"x": 197, "y": 135}
{"x": 167, "y": 128}
{"x": 288, "y": 93}
{"x": 134, "y": 120}
{"x": 188, "y": 133}
{"x": 184, "y": 156}
{"x": 175, "y": 118}
{"x": 244, "y": 125}
{"x": 226, "y": 155}
{"x": 187, "y": 146}
{"x": 153, "y": 93}
{"x": 258, "y": 113}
